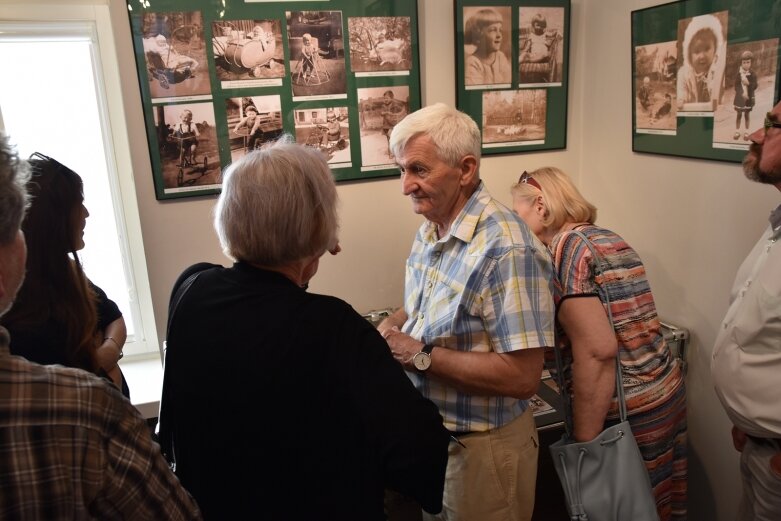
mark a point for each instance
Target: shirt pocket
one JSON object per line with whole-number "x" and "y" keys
{"x": 757, "y": 326}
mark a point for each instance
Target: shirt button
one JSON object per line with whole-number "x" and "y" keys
{"x": 430, "y": 285}
{"x": 420, "y": 316}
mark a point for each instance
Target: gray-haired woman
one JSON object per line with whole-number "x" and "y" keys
{"x": 294, "y": 389}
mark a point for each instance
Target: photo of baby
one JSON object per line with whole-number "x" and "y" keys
{"x": 702, "y": 59}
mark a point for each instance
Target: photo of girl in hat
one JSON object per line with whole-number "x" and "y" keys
{"x": 703, "y": 49}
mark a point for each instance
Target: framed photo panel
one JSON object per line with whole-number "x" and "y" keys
{"x": 219, "y": 80}
{"x": 704, "y": 74}
{"x": 511, "y": 72}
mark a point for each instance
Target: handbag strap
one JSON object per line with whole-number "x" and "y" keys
{"x": 165, "y": 417}
{"x": 599, "y": 268}
{"x": 177, "y": 298}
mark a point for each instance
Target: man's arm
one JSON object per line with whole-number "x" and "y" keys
{"x": 396, "y": 319}
{"x": 139, "y": 483}
{"x": 594, "y": 349}
{"x": 515, "y": 374}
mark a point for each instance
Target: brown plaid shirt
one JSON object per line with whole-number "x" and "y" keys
{"x": 72, "y": 447}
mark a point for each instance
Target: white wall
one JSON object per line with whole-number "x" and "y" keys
{"x": 692, "y": 221}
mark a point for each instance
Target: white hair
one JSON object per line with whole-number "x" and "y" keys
{"x": 277, "y": 205}
{"x": 454, "y": 133}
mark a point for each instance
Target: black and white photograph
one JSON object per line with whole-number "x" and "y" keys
{"x": 749, "y": 84}
{"x": 540, "y": 406}
{"x": 487, "y": 47}
{"x": 379, "y": 110}
{"x": 514, "y": 117}
{"x": 252, "y": 121}
{"x": 175, "y": 55}
{"x": 540, "y": 46}
{"x": 655, "y": 88}
{"x": 188, "y": 146}
{"x": 380, "y": 45}
{"x": 702, "y": 58}
{"x": 317, "y": 61}
{"x": 328, "y": 130}
{"x": 248, "y": 53}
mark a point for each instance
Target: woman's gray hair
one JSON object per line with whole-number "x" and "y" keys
{"x": 278, "y": 205}
{"x": 454, "y": 134}
{"x": 14, "y": 174}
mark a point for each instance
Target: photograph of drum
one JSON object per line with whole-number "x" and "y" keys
{"x": 249, "y": 53}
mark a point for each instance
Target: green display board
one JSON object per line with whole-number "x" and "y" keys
{"x": 704, "y": 74}
{"x": 219, "y": 79}
{"x": 512, "y": 72}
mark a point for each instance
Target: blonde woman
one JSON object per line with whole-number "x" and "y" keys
{"x": 656, "y": 401}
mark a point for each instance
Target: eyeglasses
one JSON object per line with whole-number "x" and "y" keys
{"x": 50, "y": 164}
{"x": 527, "y": 179}
{"x": 769, "y": 123}
{"x": 38, "y": 155}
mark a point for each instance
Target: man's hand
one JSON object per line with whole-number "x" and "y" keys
{"x": 738, "y": 439}
{"x": 403, "y": 347}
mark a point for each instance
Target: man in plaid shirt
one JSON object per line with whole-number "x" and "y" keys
{"x": 71, "y": 446}
{"x": 478, "y": 312}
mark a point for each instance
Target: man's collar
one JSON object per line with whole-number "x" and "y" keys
{"x": 775, "y": 218}
{"x": 464, "y": 225}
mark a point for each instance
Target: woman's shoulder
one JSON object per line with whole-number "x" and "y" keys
{"x": 192, "y": 270}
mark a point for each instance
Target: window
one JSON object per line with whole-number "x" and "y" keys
{"x": 63, "y": 100}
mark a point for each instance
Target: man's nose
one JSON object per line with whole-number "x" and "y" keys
{"x": 408, "y": 185}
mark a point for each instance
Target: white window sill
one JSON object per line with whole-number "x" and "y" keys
{"x": 144, "y": 374}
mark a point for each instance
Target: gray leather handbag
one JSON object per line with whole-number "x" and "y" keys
{"x": 604, "y": 479}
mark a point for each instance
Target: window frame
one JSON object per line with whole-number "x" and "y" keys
{"x": 30, "y": 19}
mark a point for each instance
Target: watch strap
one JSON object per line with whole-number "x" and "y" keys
{"x": 427, "y": 348}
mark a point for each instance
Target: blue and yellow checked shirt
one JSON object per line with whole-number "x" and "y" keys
{"x": 487, "y": 286}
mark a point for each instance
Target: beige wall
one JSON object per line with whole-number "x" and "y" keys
{"x": 692, "y": 221}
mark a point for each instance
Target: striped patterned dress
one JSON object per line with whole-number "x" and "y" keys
{"x": 653, "y": 381}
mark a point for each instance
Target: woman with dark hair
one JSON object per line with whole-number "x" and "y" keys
{"x": 59, "y": 316}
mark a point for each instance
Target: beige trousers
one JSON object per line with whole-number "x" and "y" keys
{"x": 494, "y": 477}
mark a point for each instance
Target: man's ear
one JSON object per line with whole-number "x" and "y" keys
{"x": 468, "y": 170}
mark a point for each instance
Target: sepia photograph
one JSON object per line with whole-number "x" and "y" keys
{"x": 380, "y": 45}
{"x": 317, "y": 61}
{"x": 514, "y": 117}
{"x": 175, "y": 54}
{"x": 749, "y": 84}
{"x": 248, "y": 53}
{"x": 541, "y": 46}
{"x": 328, "y": 130}
{"x": 252, "y": 121}
{"x": 655, "y": 88}
{"x": 379, "y": 110}
{"x": 702, "y": 53}
{"x": 189, "y": 154}
{"x": 487, "y": 47}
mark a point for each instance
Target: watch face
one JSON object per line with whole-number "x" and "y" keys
{"x": 421, "y": 361}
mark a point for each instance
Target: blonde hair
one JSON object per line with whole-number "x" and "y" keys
{"x": 561, "y": 198}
